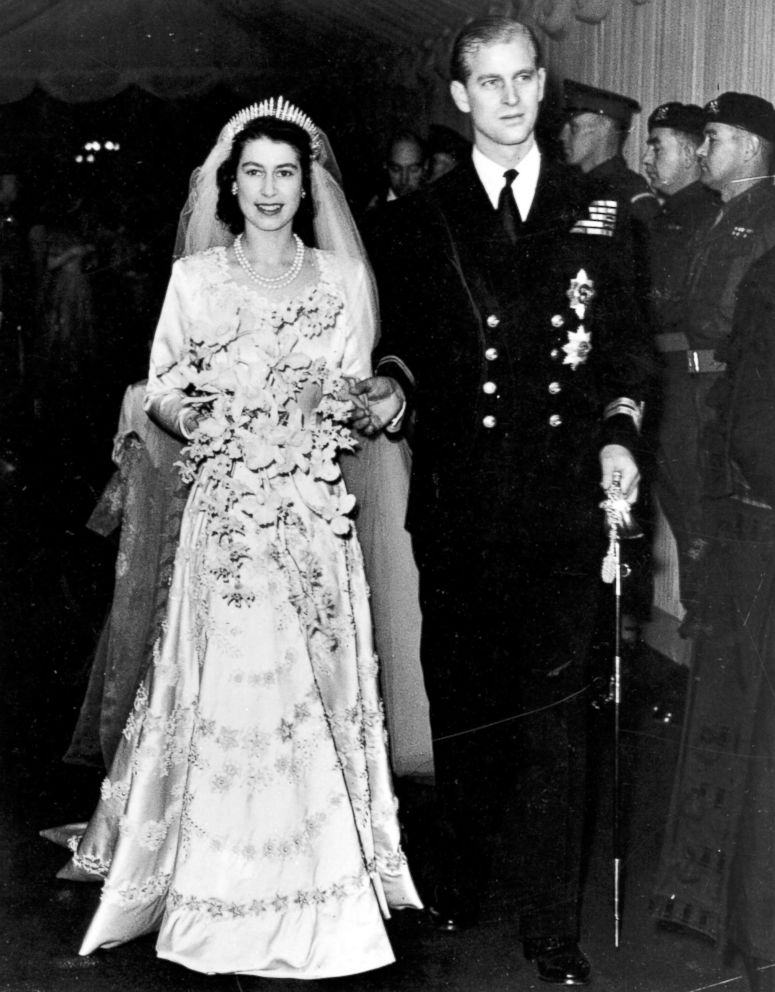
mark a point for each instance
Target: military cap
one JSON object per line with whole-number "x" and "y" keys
{"x": 686, "y": 117}
{"x": 580, "y": 98}
{"x": 744, "y": 110}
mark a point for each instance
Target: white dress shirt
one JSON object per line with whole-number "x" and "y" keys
{"x": 523, "y": 187}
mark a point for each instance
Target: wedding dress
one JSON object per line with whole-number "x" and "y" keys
{"x": 248, "y": 815}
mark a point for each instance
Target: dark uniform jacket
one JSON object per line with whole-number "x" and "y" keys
{"x": 721, "y": 254}
{"x": 628, "y": 187}
{"x": 745, "y": 397}
{"x": 670, "y": 232}
{"x": 514, "y": 383}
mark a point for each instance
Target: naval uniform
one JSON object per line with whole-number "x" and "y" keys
{"x": 519, "y": 362}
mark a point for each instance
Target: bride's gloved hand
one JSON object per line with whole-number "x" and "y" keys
{"x": 377, "y": 404}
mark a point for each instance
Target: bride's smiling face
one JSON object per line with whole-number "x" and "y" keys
{"x": 269, "y": 183}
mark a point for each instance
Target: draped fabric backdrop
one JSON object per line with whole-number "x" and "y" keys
{"x": 690, "y": 50}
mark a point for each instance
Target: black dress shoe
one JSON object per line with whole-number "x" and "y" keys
{"x": 559, "y": 962}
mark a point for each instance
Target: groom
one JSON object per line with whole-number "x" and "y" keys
{"x": 512, "y": 349}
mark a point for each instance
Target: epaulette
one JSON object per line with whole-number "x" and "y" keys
{"x": 600, "y": 219}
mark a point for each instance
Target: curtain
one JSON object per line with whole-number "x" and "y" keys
{"x": 689, "y": 51}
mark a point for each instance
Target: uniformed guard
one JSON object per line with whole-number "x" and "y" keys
{"x": 717, "y": 872}
{"x": 593, "y": 136}
{"x": 510, "y": 334}
{"x": 675, "y": 132}
{"x": 735, "y": 163}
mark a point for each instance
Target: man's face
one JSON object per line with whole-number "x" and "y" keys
{"x": 503, "y": 95}
{"x": 666, "y": 162}
{"x": 721, "y": 154}
{"x": 580, "y": 138}
{"x": 405, "y": 167}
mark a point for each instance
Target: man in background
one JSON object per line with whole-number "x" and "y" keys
{"x": 592, "y": 138}
{"x": 735, "y": 164}
{"x": 405, "y": 170}
{"x": 675, "y": 133}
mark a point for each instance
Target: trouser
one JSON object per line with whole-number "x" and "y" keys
{"x": 505, "y": 633}
{"x": 682, "y": 465}
{"x": 717, "y": 871}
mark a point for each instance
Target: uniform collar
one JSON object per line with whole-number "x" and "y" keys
{"x": 611, "y": 167}
{"x": 524, "y": 186}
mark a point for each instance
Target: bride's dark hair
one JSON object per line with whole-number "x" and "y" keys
{"x": 227, "y": 209}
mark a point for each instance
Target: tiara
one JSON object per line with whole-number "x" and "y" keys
{"x": 280, "y": 109}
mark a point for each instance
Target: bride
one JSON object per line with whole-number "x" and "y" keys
{"x": 248, "y": 815}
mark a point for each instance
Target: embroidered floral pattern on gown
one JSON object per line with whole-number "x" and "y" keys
{"x": 249, "y": 815}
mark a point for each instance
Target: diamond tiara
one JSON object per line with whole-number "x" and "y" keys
{"x": 282, "y": 110}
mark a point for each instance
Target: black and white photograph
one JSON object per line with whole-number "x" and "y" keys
{"x": 387, "y": 495}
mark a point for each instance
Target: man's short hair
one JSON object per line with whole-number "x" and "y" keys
{"x": 411, "y": 138}
{"x": 484, "y": 31}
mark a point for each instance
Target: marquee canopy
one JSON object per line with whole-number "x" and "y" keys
{"x": 87, "y": 50}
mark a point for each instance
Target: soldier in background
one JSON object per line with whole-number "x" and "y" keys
{"x": 717, "y": 871}
{"x": 735, "y": 163}
{"x": 676, "y": 131}
{"x": 593, "y": 138}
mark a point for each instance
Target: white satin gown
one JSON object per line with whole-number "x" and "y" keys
{"x": 249, "y": 815}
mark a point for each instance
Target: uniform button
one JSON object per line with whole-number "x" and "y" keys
{"x": 492, "y": 320}
{"x": 489, "y": 388}
{"x": 554, "y": 353}
{"x": 555, "y": 420}
{"x": 491, "y": 354}
{"x": 489, "y": 421}
{"x": 554, "y": 388}
{"x": 558, "y": 320}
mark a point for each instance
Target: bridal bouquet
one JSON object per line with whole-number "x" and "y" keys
{"x": 269, "y": 414}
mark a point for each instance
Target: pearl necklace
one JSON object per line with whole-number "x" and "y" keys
{"x": 271, "y": 282}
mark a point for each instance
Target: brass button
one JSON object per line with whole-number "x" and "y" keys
{"x": 493, "y": 321}
{"x": 554, "y": 388}
{"x": 554, "y": 353}
{"x": 489, "y": 388}
{"x": 491, "y": 354}
{"x": 558, "y": 320}
{"x": 555, "y": 420}
{"x": 489, "y": 421}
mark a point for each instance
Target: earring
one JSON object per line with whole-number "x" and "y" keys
{"x": 303, "y": 193}
{"x": 234, "y": 188}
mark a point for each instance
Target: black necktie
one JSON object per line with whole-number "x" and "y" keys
{"x": 507, "y": 207}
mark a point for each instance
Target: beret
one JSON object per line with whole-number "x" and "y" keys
{"x": 686, "y": 117}
{"x": 744, "y": 110}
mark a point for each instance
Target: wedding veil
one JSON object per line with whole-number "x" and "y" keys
{"x": 333, "y": 224}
